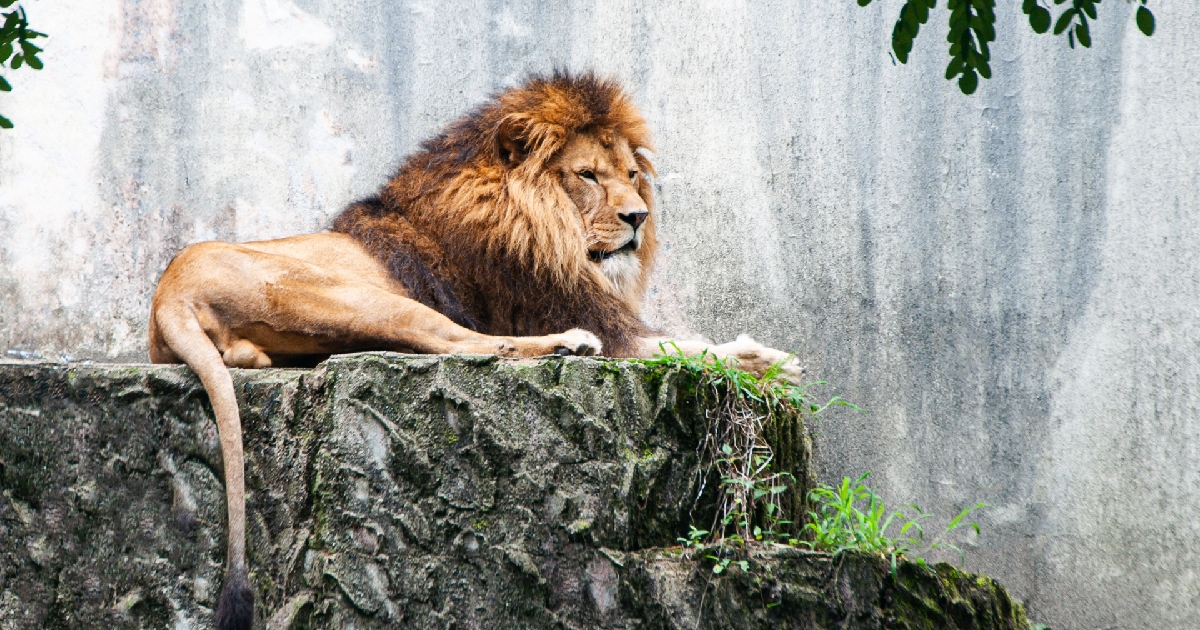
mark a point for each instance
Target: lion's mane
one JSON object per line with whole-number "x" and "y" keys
{"x": 496, "y": 244}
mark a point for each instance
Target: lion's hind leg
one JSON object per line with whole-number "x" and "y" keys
{"x": 181, "y": 330}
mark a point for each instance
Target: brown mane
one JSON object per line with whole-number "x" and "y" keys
{"x": 491, "y": 239}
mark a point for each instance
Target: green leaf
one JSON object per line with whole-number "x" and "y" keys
{"x": 1082, "y": 34}
{"x": 968, "y": 82}
{"x": 958, "y": 19}
{"x": 1064, "y": 21}
{"x": 955, "y": 66}
{"x": 983, "y": 30}
{"x": 955, "y": 521}
{"x": 4, "y": 4}
{"x": 1039, "y": 19}
{"x": 4, "y": 85}
{"x": 17, "y": 60}
{"x": 863, "y": 3}
{"x": 901, "y": 42}
{"x": 1089, "y": 8}
{"x": 34, "y": 62}
{"x": 1145, "y": 21}
{"x": 6, "y": 51}
{"x": 921, "y": 12}
{"x": 907, "y": 18}
{"x": 5, "y": 123}
{"x": 725, "y": 448}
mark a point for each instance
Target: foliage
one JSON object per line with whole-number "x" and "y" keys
{"x": 850, "y": 517}
{"x": 837, "y": 524}
{"x": 972, "y": 28}
{"x": 15, "y": 43}
{"x": 735, "y": 448}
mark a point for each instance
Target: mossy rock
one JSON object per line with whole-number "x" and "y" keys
{"x": 383, "y": 491}
{"x": 781, "y": 587}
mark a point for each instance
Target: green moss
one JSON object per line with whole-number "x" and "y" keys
{"x": 262, "y": 581}
{"x": 613, "y": 366}
{"x": 319, "y": 516}
{"x": 949, "y": 598}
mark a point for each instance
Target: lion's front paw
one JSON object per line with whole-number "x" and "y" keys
{"x": 577, "y": 342}
{"x": 757, "y": 358}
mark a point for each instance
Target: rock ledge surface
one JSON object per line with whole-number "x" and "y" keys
{"x": 399, "y": 491}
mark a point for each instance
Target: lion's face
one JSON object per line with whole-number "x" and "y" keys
{"x": 602, "y": 176}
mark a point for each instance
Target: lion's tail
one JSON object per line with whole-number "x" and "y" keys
{"x": 181, "y": 331}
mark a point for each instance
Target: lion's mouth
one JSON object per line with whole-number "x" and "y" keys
{"x": 600, "y": 255}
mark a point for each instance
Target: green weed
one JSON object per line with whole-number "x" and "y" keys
{"x": 695, "y": 538}
{"x": 851, "y": 517}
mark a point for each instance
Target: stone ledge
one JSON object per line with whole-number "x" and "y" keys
{"x": 384, "y": 490}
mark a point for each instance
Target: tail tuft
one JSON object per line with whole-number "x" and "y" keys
{"x": 235, "y": 609}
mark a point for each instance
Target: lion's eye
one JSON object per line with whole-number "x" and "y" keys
{"x": 633, "y": 176}
{"x": 589, "y": 175}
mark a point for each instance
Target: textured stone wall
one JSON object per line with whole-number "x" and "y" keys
{"x": 388, "y": 492}
{"x": 1007, "y": 283}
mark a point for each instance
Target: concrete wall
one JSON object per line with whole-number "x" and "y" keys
{"x": 1008, "y": 283}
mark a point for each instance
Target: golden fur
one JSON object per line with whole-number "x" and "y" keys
{"x": 530, "y": 216}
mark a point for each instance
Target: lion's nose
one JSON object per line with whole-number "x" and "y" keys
{"x": 636, "y": 219}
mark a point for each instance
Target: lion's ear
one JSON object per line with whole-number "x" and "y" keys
{"x": 510, "y": 143}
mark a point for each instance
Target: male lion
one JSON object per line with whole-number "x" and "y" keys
{"x": 530, "y": 216}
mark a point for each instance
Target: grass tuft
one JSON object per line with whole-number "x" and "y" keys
{"x": 851, "y": 517}
{"x": 761, "y": 498}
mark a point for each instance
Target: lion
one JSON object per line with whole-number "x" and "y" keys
{"x": 526, "y": 228}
